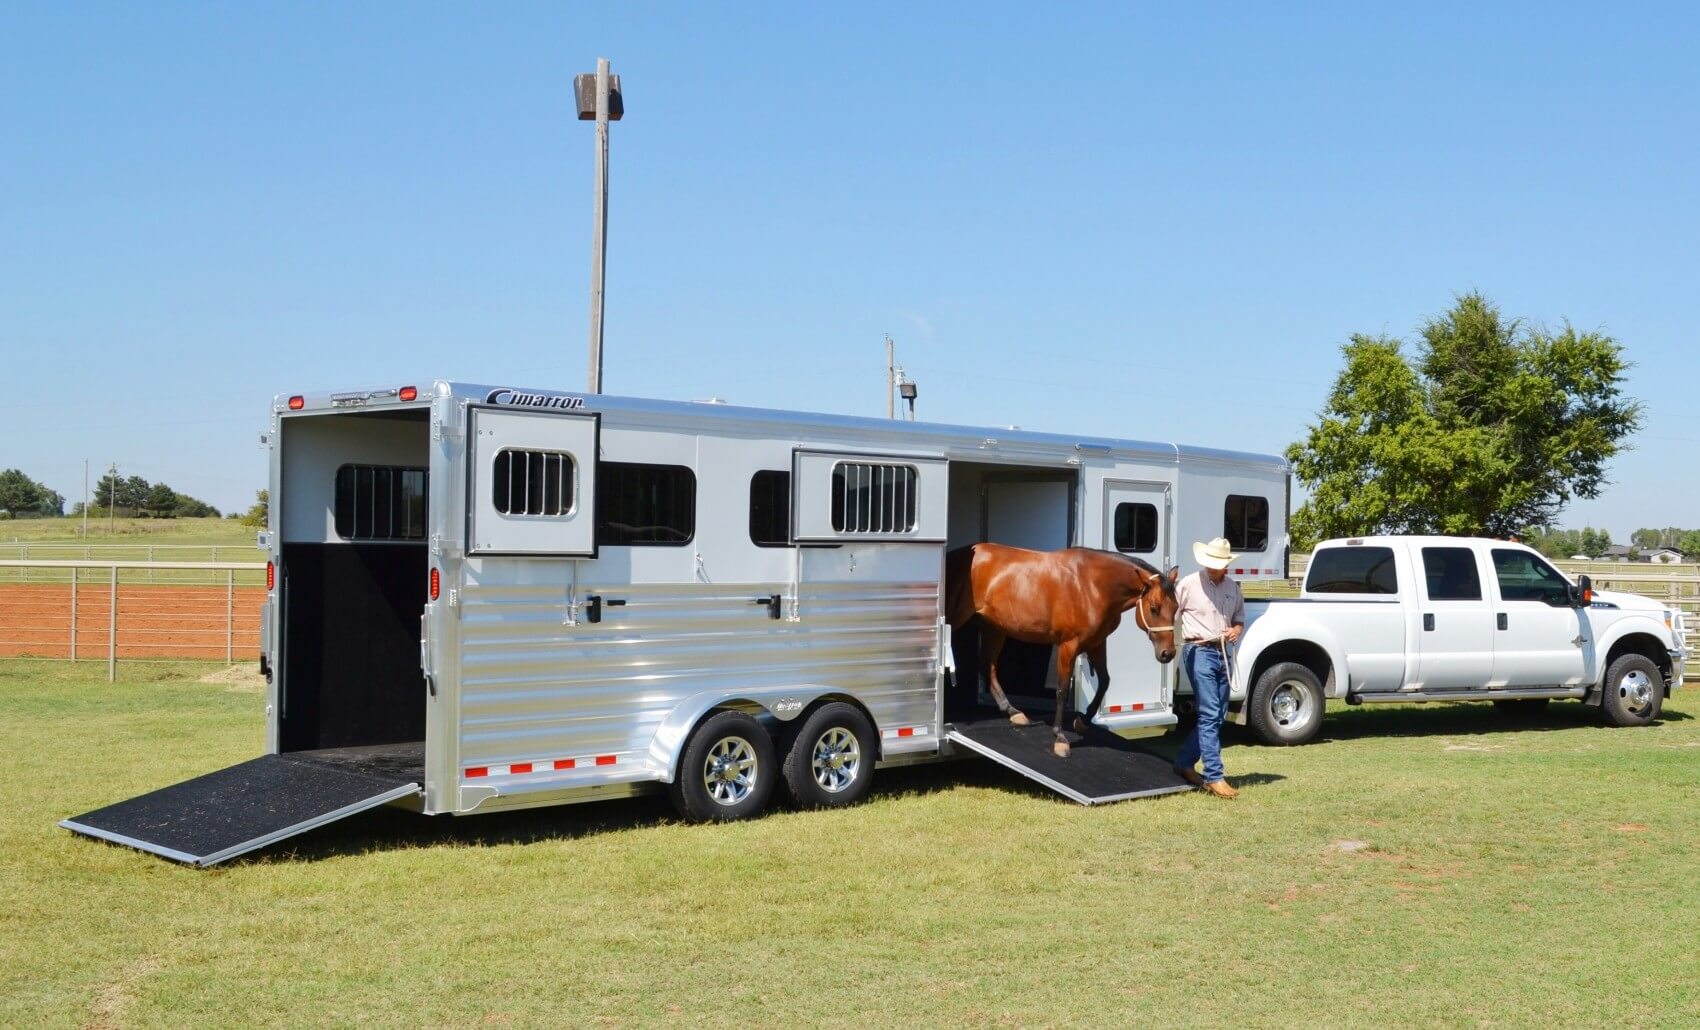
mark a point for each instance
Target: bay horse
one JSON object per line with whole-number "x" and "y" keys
{"x": 1073, "y": 598}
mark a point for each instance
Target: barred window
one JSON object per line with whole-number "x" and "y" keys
{"x": 770, "y": 508}
{"x": 1245, "y": 522}
{"x": 1136, "y": 527}
{"x": 380, "y": 502}
{"x": 873, "y": 498}
{"x": 533, "y": 483}
{"x": 645, "y": 505}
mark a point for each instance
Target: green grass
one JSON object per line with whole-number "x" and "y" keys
{"x": 223, "y": 532}
{"x": 1420, "y": 866}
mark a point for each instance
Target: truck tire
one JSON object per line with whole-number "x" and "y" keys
{"x": 727, "y": 771}
{"x": 1285, "y": 706}
{"x": 1522, "y": 707}
{"x": 830, "y": 763}
{"x": 1634, "y": 691}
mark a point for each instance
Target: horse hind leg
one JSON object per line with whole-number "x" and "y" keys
{"x": 1065, "y": 683}
{"x": 991, "y": 644}
{"x": 1100, "y": 669}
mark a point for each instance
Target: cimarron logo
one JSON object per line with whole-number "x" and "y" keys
{"x": 519, "y": 399}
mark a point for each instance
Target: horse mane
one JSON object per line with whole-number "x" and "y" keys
{"x": 1144, "y": 566}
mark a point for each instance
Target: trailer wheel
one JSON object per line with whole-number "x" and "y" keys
{"x": 831, "y": 760}
{"x": 727, "y": 771}
{"x": 1634, "y": 691}
{"x": 1286, "y": 705}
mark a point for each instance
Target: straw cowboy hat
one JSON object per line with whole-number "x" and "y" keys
{"x": 1214, "y": 555}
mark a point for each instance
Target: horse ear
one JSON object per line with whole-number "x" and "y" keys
{"x": 1175, "y": 574}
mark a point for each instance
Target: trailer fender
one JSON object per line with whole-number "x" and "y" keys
{"x": 783, "y": 703}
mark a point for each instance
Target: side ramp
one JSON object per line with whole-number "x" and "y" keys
{"x": 1101, "y": 768}
{"x": 227, "y": 813}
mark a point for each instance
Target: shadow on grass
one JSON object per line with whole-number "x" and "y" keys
{"x": 1453, "y": 719}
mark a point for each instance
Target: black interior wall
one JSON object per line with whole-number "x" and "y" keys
{"x": 350, "y": 656}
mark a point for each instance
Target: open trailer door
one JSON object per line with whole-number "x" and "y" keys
{"x": 227, "y": 813}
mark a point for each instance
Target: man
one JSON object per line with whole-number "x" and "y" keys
{"x": 1212, "y": 617}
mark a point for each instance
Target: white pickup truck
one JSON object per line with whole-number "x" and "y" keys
{"x": 1414, "y": 619}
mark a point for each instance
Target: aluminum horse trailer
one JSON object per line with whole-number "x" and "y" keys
{"x": 483, "y": 598}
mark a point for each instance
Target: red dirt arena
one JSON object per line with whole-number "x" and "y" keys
{"x": 154, "y": 621}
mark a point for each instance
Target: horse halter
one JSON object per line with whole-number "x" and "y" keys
{"x": 1139, "y": 617}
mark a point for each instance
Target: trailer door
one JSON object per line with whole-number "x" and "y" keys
{"x": 532, "y": 483}
{"x": 1136, "y": 523}
{"x": 838, "y": 497}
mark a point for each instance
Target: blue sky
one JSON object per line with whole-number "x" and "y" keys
{"x": 1134, "y": 221}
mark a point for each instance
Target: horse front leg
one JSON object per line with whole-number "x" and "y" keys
{"x": 1096, "y": 657}
{"x": 991, "y": 645}
{"x": 1065, "y": 683}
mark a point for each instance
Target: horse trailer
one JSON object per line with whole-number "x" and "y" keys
{"x": 483, "y": 598}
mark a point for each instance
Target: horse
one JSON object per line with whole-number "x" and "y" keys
{"x": 1073, "y": 598}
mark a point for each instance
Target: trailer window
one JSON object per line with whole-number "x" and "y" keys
{"x": 1136, "y": 527}
{"x": 770, "y": 508}
{"x": 873, "y": 498}
{"x": 1352, "y": 570}
{"x": 1245, "y": 522}
{"x": 1523, "y": 577}
{"x": 645, "y": 505}
{"x": 1451, "y": 574}
{"x": 533, "y": 483}
{"x": 380, "y": 502}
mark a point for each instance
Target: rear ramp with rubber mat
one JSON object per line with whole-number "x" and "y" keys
{"x": 1101, "y": 767}
{"x": 216, "y": 817}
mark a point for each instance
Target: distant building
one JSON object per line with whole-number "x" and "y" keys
{"x": 1618, "y": 552}
{"x": 1660, "y": 555}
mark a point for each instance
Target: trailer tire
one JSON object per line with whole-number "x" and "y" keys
{"x": 1286, "y": 704}
{"x": 727, "y": 771}
{"x": 830, "y": 763}
{"x": 1634, "y": 691}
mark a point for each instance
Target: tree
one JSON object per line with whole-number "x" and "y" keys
{"x": 258, "y": 514}
{"x": 21, "y": 495}
{"x": 1493, "y": 427}
{"x": 160, "y": 502}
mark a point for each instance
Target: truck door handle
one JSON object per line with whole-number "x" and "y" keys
{"x": 772, "y": 602}
{"x": 1503, "y": 622}
{"x": 1428, "y": 622}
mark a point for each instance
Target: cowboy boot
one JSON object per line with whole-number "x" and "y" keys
{"x": 1221, "y": 789}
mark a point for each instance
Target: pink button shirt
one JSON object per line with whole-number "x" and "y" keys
{"x": 1208, "y": 609}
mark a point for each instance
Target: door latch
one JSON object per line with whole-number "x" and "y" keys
{"x": 772, "y": 601}
{"x": 1428, "y": 622}
{"x": 1504, "y": 621}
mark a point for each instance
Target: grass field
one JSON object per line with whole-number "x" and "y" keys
{"x": 223, "y": 532}
{"x": 1420, "y": 866}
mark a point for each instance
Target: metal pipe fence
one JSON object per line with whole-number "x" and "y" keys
{"x": 149, "y": 610}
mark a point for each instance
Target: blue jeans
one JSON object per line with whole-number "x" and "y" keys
{"x": 1209, "y": 678}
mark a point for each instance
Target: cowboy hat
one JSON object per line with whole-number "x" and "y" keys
{"x": 1214, "y": 555}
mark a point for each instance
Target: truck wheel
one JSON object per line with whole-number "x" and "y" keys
{"x": 1522, "y": 707}
{"x": 727, "y": 771}
{"x": 831, "y": 760}
{"x": 1634, "y": 691}
{"x": 1286, "y": 705}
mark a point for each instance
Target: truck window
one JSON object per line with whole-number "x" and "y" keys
{"x": 1245, "y": 522}
{"x": 770, "y": 508}
{"x": 1136, "y": 527}
{"x": 1524, "y": 577}
{"x": 645, "y": 505}
{"x": 1451, "y": 574}
{"x": 1352, "y": 570}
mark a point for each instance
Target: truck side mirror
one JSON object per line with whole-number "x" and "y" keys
{"x": 1582, "y": 593}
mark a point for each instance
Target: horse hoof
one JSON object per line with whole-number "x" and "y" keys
{"x": 1080, "y": 725}
{"x": 1017, "y": 719}
{"x": 1060, "y": 749}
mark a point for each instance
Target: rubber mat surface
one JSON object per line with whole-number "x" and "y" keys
{"x": 1101, "y": 767}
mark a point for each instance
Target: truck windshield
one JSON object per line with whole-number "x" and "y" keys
{"x": 1352, "y": 570}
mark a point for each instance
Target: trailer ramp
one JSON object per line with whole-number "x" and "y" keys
{"x": 1101, "y": 767}
{"x": 227, "y": 813}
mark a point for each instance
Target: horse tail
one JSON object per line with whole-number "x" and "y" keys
{"x": 959, "y": 586}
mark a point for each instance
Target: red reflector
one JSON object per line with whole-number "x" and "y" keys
{"x": 907, "y": 731}
{"x": 478, "y": 770}
{"x": 271, "y": 575}
{"x": 407, "y": 393}
{"x": 564, "y": 763}
{"x": 1138, "y": 707}
{"x": 519, "y": 767}
{"x": 604, "y": 759}
{"x": 297, "y": 403}
{"x": 436, "y": 584}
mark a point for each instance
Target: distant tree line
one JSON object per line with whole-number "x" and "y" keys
{"x": 23, "y": 497}
{"x": 133, "y": 496}
{"x": 1568, "y": 543}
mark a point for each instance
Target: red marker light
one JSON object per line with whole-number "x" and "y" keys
{"x": 297, "y": 403}
{"x": 436, "y": 584}
{"x": 407, "y": 393}
{"x": 271, "y": 576}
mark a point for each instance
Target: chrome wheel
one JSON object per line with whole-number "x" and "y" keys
{"x": 1289, "y": 704}
{"x": 836, "y": 760}
{"x": 729, "y": 773}
{"x": 1635, "y": 690}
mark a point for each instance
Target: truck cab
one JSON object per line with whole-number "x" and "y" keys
{"x": 1409, "y": 619}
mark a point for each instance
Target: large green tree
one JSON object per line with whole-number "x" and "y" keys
{"x": 21, "y": 495}
{"x": 1491, "y": 425}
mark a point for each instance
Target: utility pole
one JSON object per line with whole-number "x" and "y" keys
{"x": 598, "y": 98}
{"x": 890, "y": 376}
{"x": 85, "y": 498}
{"x": 112, "y": 501}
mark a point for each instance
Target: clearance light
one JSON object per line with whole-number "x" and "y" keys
{"x": 436, "y": 584}
{"x": 297, "y": 403}
{"x": 271, "y": 575}
{"x": 407, "y": 393}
